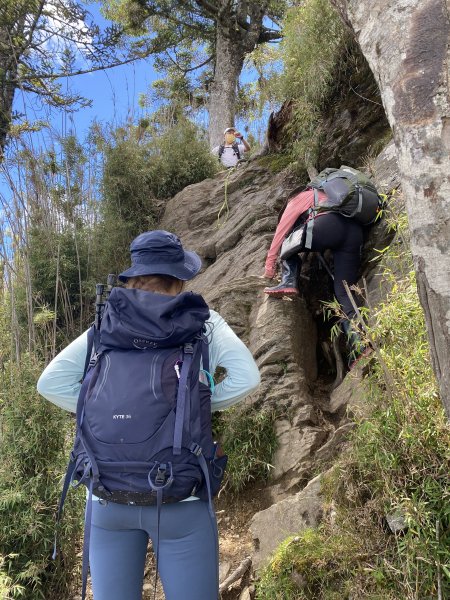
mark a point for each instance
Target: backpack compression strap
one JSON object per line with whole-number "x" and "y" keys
{"x": 183, "y": 392}
{"x": 90, "y": 346}
{"x": 310, "y": 222}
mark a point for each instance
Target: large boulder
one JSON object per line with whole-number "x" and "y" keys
{"x": 285, "y": 518}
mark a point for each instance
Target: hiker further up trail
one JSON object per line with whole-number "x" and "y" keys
{"x": 329, "y": 215}
{"x": 232, "y": 149}
{"x": 143, "y": 444}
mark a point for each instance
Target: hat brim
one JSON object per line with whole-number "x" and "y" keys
{"x": 184, "y": 271}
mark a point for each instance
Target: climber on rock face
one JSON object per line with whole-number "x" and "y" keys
{"x": 232, "y": 149}
{"x": 330, "y": 231}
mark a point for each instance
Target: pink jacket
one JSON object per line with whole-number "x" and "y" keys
{"x": 296, "y": 206}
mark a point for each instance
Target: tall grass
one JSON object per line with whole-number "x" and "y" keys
{"x": 314, "y": 43}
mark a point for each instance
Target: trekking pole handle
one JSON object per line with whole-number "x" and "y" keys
{"x": 111, "y": 281}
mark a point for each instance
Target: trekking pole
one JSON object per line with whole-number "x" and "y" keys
{"x": 99, "y": 304}
{"x": 325, "y": 265}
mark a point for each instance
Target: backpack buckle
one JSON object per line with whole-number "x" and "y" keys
{"x": 196, "y": 449}
{"x": 160, "y": 477}
{"x": 163, "y": 478}
{"x": 94, "y": 360}
{"x": 188, "y": 348}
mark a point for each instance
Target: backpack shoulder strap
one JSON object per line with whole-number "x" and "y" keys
{"x": 221, "y": 149}
{"x": 236, "y": 150}
{"x": 205, "y": 353}
{"x": 90, "y": 349}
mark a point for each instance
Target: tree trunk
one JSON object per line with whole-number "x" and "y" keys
{"x": 8, "y": 75}
{"x": 222, "y": 99}
{"x": 406, "y": 45}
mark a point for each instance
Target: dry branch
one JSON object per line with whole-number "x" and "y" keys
{"x": 236, "y": 574}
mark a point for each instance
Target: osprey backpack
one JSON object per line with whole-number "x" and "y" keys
{"x": 143, "y": 433}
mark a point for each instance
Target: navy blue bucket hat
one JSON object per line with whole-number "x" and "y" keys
{"x": 161, "y": 253}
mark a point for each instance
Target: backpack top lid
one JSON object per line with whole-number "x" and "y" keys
{"x": 139, "y": 320}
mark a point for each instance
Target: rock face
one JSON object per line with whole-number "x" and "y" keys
{"x": 280, "y": 333}
{"x": 229, "y": 221}
{"x": 413, "y": 77}
{"x": 233, "y": 245}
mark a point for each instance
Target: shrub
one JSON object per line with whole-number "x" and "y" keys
{"x": 249, "y": 439}
{"x": 33, "y": 446}
{"x": 179, "y": 157}
{"x": 143, "y": 167}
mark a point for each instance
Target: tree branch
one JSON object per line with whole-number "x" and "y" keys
{"x": 51, "y": 77}
{"x": 189, "y": 69}
{"x": 237, "y": 574}
{"x": 209, "y": 8}
{"x": 153, "y": 12}
{"x": 33, "y": 26}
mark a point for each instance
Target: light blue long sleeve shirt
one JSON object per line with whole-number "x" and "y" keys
{"x": 61, "y": 380}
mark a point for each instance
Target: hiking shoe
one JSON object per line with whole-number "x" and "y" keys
{"x": 280, "y": 290}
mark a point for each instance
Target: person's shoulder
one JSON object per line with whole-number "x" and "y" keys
{"x": 215, "y": 318}
{"x": 217, "y": 324}
{"x": 215, "y": 149}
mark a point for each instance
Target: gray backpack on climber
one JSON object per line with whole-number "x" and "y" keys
{"x": 349, "y": 192}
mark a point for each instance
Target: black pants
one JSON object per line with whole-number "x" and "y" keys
{"x": 344, "y": 237}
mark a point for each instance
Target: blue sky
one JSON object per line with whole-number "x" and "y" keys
{"x": 114, "y": 93}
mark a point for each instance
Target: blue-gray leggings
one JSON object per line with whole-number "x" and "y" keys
{"x": 188, "y": 550}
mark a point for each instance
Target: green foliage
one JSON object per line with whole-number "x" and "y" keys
{"x": 263, "y": 94}
{"x": 314, "y": 43}
{"x": 28, "y": 61}
{"x": 179, "y": 157}
{"x": 33, "y": 446}
{"x": 63, "y": 255}
{"x": 249, "y": 439}
{"x": 144, "y": 166}
{"x": 314, "y": 562}
{"x": 275, "y": 163}
{"x": 128, "y": 200}
{"x": 398, "y": 464}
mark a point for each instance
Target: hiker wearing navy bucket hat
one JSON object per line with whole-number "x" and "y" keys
{"x": 161, "y": 253}
{"x": 144, "y": 445}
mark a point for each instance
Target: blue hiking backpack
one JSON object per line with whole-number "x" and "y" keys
{"x": 143, "y": 433}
